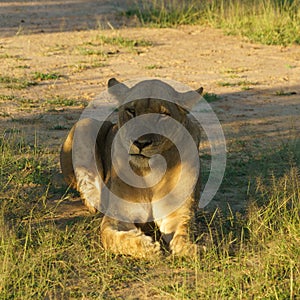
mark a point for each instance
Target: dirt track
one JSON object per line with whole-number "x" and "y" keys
{"x": 258, "y": 86}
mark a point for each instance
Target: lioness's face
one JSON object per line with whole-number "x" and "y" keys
{"x": 145, "y": 146}
{"x": 151, "y": 130}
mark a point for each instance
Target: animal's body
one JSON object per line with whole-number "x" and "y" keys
{"x": 133, "y": 237}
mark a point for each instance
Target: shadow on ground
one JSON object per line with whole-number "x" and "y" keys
{"x": 57, "y": 16}
{"x": 261, "y": 141}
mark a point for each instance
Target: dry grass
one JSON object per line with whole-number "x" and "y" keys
{"x": 254, "y": 255}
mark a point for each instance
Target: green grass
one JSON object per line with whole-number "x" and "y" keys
{"x": 267, "y": 21}
{"x": 46, "y": 76}
{"x": 12, "y": 82}
{"x": 103, "y": 46}
{"x": 60, "y": 101}
{"x": 124, "y": 42}
{"x": 7, "y": 97}
{"x": 284, "y": 93}
{"x": 210, "y": 97}
{"x": 55, "y": 101}
{"x": 19, "y": 83}
{"x": 253, "y": 255}
{"x": 235, "y": 71}
{"x": 16, "y": 83}
{"x": 82, "y": 66}
{"x": 88, "y": 51}
{"x": 170, "y": 13}
{"x": 59, "y": 127}
{"x": 4, "y": 56}
{"x": 153, "y": 67}
{"x": 4, "y": 114}
{"x": 241, "y": 83}
{"x": 23, "y": 67}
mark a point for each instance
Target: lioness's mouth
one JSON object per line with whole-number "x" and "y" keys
{"x": 138, "y": 155}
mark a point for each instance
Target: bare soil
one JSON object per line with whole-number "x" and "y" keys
{"x": 257, "y": 86}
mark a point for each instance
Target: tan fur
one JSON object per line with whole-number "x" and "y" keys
{"x": 130, "y": 238}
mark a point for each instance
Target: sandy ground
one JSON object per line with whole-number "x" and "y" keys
{"x": 257, "y": 86}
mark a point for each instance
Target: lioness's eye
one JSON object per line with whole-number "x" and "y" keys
{"x": 130, "y": 111}
{"x": 165, "y": 113}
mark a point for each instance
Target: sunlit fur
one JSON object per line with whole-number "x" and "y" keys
{"x": 138, "y": 240}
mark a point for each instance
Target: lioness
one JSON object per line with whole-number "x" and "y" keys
{"x": 93, "y": 154}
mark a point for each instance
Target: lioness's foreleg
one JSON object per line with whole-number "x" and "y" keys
{"x": 125, "y": 238}
{"x": 81, "y": 161}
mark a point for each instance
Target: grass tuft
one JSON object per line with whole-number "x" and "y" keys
{"x": 92, "y": 52}
{"x": 16, "y": 83}
{"x": 285, "y": 93}
{"x": 46, "y": 76}
{"x": 271, "y": 22}
{"x": 160, "y": 13}
{"x": 245, "y": 84}
{"x": 60, "y": 101}
{"x": 210, "y": 97}
{"x": 124, "y": 42}
{"x": 153, "y": 67}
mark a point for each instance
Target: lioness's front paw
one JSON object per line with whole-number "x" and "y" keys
{"x": 137, "y": 244}
{"x": 181, "y": 246}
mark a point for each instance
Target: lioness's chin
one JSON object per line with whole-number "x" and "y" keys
{"x": 139, "y": 160}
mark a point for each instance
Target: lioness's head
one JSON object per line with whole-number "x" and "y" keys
{"x": 157, "y": 102}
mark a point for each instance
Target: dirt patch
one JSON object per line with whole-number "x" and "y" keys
{"x": 257, "y": 87}
{"x": 34, "y": 17}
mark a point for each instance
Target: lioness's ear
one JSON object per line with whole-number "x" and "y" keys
{"x": 189, "y": 99}
{"x": 112, "y": 81}
{"x": 199, "y": 91}
{"x": 117, "y": 89}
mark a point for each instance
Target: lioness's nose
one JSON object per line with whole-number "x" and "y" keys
{"x": 141, "y": 144}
